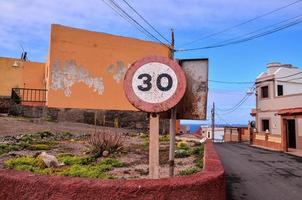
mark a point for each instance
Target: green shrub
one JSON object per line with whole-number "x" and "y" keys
{"x": 164, "y": 138}
{"x": 111, "y": 161}
{"x": 6, "y": 148}
{"x": 39, "y": 147}
{"x": 183, "y": 145}
{"x": 69, "y": 159}
{"x": 105, "y": 140}
{"x": 199, "y": 152}
{"x": 85, "y": 171}
{"x": 25, "y": 163}
{"x": 188, "y": 171}
{"x": 182, "y": 153}
{"x": 199, "y": 162}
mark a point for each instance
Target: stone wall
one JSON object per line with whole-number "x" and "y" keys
{"x": 4, "y": 104}
{"x": 130, "y": 120}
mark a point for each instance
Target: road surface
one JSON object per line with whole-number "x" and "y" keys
{"x": 256, "y": 174}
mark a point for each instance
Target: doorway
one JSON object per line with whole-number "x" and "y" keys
{"x": 291, "y": 133}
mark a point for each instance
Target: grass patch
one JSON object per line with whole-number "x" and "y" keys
{"x": 25, "y": 163}
{"x": 199, "y": 152}
{"x": 188, "y": 171}
{"x": 69, "y": 159}
{"x": 75, "y": 166}
{"x": 181, "y": 153}
{"x": 6, "y": 148}
{"x": 35, "y": 147}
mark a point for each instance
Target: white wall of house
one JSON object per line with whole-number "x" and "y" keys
{"x": 267, "y": 108}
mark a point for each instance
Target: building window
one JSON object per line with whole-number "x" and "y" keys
{"x": 209, "y": 135}
{"x": 264, "y": 92}
{"x": 280, "y": 90}
{"x": 265, "y": 124}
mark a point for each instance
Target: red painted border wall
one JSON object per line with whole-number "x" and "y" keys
{"x": 208, "y": 184}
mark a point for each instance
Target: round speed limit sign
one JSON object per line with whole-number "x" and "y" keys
{"x": 154, "y": 84}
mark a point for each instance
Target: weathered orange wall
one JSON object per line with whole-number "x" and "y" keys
{"x": 27, "y": 74}
{"x": 10, "y": 76}
{"x": 33, "y": 75}
{"x": 102, "y": 56}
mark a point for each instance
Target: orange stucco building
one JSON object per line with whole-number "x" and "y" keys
{"x": 85, "y": 69}
{"x": 16, "y": 73}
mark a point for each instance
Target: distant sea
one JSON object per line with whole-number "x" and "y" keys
{"x": 193, "y": 127}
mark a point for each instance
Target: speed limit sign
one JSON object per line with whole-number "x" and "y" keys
{"x": 154, "y": 84}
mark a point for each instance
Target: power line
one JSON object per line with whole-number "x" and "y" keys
{"x": 113, "y": 3}
{"x": 125, "y": 18}
{"x": 231, "y": 82}
{"x": 243, "y": 23}
{"x": 125, "y": 14}
{"x": 239, "y": 103}
{"x": 219, "y": 117}
{"x": 247, "y": 38}
{"x": 289, "y": 75}
{"x": 263, "y": 28}
{"x": 146, "y": 21}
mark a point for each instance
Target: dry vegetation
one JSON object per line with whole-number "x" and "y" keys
{"x": 107, "y": 154}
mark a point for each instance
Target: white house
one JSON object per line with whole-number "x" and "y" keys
{"x": 278, "y": 113}
{"x": 207, "y": 132}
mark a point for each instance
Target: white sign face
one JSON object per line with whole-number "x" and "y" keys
{"x": 154, "y": 82}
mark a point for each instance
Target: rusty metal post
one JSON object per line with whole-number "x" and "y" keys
{"x": 154, "y": 146}
{"x": 172, "y": 122}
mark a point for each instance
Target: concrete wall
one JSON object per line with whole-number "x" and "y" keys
{"x": 26, "y": 74}
{"x": 86, "y": 68}
{"x": 206, "y": 185}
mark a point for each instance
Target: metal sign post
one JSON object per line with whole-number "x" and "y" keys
{"x": 154, "y": 84}
{"x": 154, "y": 146}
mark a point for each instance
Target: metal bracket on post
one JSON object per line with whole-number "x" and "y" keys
{"x": 154, "y": 146}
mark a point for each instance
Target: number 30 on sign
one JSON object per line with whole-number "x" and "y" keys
{"x": 154, "y": 84}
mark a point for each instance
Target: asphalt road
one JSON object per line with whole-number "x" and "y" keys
{"x": 256, "y": 174}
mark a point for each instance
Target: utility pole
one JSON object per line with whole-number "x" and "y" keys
{"x": 213, "y": 121}
{"x": 172, "y": 120}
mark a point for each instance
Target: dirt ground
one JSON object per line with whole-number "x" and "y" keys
{"x": 19, "y": 125}
{"x": 134, "y": 155}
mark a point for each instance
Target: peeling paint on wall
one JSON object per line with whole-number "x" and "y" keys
{"x": 117, "y": 70}
{"x": 71, "y": 74}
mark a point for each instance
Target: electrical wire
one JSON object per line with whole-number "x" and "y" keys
{"x": 289, "y": 75}
{"x": 231, "y": 111}
{"x": 225, "y": 43}
{"x": 146, "y": 21}
{"x": 125, "y": 18}
{"x": 243, "y": 23}
{"x": 219, "y": 117}
{"x": 231, "y": 82}
{"x": 125, "y": 14}
{"x": 239, "y": 103}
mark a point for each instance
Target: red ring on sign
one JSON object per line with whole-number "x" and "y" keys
{"x": 155, "y": 107}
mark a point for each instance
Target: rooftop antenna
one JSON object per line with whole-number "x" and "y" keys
{"x": 24, "y": 53}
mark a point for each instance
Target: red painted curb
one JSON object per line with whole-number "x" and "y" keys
{"x": 208, "y": 184}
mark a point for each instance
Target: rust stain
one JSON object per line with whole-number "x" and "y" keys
{"x": 194, "y": 103}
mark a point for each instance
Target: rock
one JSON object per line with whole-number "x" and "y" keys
{"x": 105, "y": 153}
{"x": 50, "y": 160}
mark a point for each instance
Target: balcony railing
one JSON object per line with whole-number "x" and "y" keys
{"x": 20, "y": 95}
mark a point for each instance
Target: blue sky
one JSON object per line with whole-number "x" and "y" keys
{"x": 28, "y": 23}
